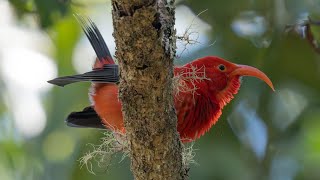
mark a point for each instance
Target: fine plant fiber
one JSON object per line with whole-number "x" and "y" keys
{"x": 112, "y": 143}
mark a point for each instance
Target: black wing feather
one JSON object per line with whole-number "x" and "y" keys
{"x": 85, "y": 118}
{"x": 107, "y": 74}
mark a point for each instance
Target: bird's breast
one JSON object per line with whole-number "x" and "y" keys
{"x": 196, "y": 114}
{"x": 107, "y": 105}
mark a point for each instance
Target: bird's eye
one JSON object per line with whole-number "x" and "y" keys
{"x": 222, "y": 67}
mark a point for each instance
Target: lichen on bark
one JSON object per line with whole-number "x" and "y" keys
{"x": 145, "y": 48}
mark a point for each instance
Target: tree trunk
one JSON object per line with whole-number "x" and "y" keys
{"x": 144, "y": 34}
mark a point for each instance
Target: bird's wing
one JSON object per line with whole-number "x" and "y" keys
{"x": 107, "y": 74}
{"x": 87, "y": 118}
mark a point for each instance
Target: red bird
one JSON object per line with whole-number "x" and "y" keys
{"x": 202, "y": 88}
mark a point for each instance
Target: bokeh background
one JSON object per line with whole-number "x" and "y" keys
{"x": 261, "y": 135}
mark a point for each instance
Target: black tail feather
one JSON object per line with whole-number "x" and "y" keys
{"x": 87, "y": 118}
{"x": 93, "y": 34}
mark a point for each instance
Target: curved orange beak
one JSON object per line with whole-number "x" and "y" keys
{"x": 244, "y": 70}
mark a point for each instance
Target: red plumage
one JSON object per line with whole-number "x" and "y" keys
{"x": 201, "y": 92}
{"x": 202, "y": 88}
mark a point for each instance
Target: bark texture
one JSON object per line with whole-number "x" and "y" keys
{"x": 144, "y": 34}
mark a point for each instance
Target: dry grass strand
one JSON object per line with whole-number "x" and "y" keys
{"x": 188, "y": 154}
{"x": 186, "y": 82}
{"x": 189, "y": 32}
{"x": 102, "y": 154}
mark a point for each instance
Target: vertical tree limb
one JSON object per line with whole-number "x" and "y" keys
{"x": 144, "y": 34}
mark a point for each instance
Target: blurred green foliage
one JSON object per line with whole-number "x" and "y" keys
{"x": 48, "y": 11}
{"x": 291, "y": 114}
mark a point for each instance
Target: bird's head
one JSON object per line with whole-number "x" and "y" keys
{"x": 224, "y": 77}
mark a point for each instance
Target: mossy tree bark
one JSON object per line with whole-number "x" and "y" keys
{"x": 144, "y": 34}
